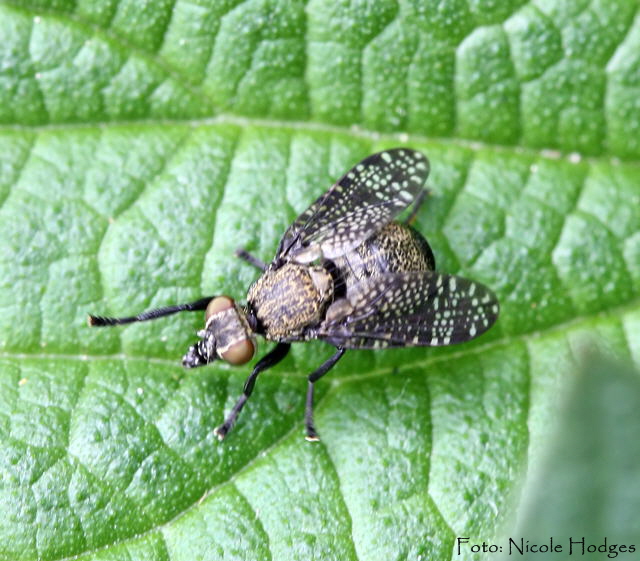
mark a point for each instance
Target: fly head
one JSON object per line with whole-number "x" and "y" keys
{"x": 227, "y": 336}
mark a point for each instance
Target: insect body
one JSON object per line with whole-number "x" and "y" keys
{"x": 345, "y": 273}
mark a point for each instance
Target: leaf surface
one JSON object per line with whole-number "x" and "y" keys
{"x": 593, "y": 446}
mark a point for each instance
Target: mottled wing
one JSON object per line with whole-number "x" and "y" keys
{"x": 412, "y": 309}
{"x": 367, "y": 198}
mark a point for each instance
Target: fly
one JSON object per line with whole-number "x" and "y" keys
{"x": 345, "y": 272}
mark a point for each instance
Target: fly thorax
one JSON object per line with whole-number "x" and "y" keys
{"x": 289, "y": 299}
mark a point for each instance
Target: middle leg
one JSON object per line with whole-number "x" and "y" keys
{"x": 327, "y": 365}
{"x": 417, "y": 203}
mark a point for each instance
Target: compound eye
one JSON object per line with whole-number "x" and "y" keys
{"x": 218, "y": 304}
{"x": 240, "y": 352}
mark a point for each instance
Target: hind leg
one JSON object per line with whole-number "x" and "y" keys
{"x": 417, "y": 203}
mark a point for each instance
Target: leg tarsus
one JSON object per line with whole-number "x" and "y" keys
{"x": 311, "y": 433}
{"x": 246, "y": 256}
{"x": 267, "y": 361}
{"x": 222, "y": 430}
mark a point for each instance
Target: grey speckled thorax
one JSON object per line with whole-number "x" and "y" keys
{"x": 289, "y": 299}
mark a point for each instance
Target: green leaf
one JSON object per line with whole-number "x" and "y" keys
{"x": 584, "y": 495}
{"x": 142, "y": 143}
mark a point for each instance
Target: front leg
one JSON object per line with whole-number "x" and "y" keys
{"x": 327, "y": 365}
{"x": 198, "y": 305}
{"x": 267, "y": 361}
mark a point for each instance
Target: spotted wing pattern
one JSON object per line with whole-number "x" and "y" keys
{"x": 412, "y": 309}
{"x": 367, "y": 198}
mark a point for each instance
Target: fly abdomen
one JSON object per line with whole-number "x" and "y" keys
{"x": 397, "y": 248}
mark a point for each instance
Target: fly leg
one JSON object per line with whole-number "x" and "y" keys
{"x": 267, "y": 361}
{"x": 246, "y": 256}
{"x": 101, "y": 321}
{"x": 312, "y": 435}
{"x": 417, "y": 203}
